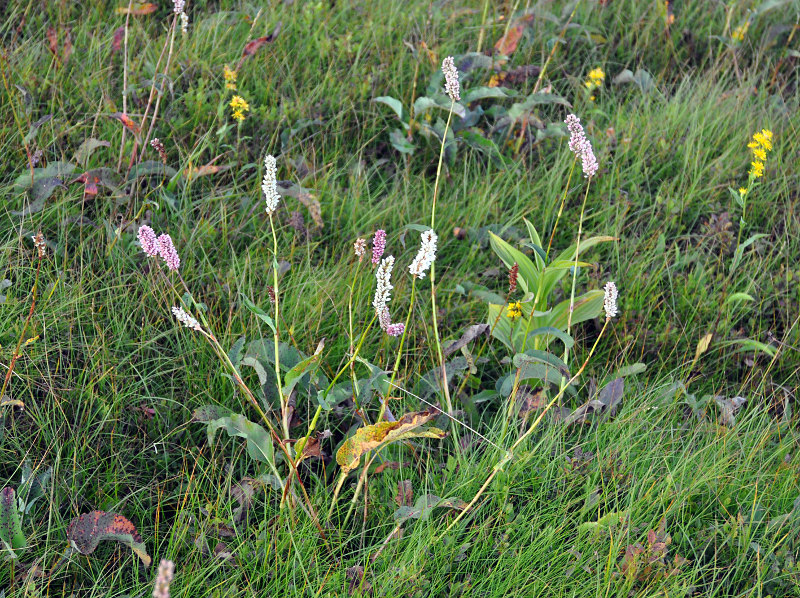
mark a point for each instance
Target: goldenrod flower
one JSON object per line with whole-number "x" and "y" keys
{"x": 764, "y": 139}
{"x": 595, "y": 79}
{"x": 759, "y": 154}
{"x": 514, "y": 310}
{"x": 239, "y": 106}
{"x": 742, "y": 192}
{"x": 740, "y": 31}
{"x": 757, "y": 169}
{"x": 230, "y": 78}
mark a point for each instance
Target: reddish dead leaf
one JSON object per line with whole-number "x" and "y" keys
{"x": 388, "y": 465}
{"x": 138, "y": 9}
{"x": 530, "y": 400}
{"x": 127, "y": 123}
{"x": 52, "y": 41}
{"x": 89, "y": 183}
{"x": 52, "y": 44}
{"x": 119, "y": 37}
{"x": 507, "y": 44}
{"x": 255, "y": 45}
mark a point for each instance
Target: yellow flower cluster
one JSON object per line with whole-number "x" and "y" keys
{"x": 759, "y": 146}
{"x": 514, "y": 310}
{"x": 230, "y": 78}
{"x": 239, "y": 106}
{"x": 595, "y": 80}
{"x": 739, "y": 32}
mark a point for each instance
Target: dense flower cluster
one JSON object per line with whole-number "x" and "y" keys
{"x": 230, "y": 78}
{"x": 610, "y": 299}
{"x": 162, "y": 245}
{"x": 425, "y": 256}
{"x": 378, "y": 245}
{"x": 360, "y": 247}
{"x": 238, "y": 107}
{"x": 594, "y": 80}
{"x": 166, "y": 571}
{"x": 580, "y": 146}
{"x": 451, "y": 85}
{"x": 185, "y": 319}
{"x": 759, "y": 146}
{"x": 269, "y": 185}
{"x": 158, "y": 145}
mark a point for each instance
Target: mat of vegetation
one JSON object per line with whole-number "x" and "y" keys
{"x": 392, "y": 297}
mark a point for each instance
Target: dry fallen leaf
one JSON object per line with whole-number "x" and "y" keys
{"x": 255, "y": 45}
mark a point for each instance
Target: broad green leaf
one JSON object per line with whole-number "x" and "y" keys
{"x": 401, "y": 143}
{"x": 737, "y": 256}
{"x": 307, "y": 366}
{"x": 151, "y": 167}
{"x": 10, "y": 522}
{"x": 736, "y": 297}
{"x": 545, "y": 357}
{"x": 235, "y": 354}
{"x": 512, "y": 334}
{"x": 376, "y": 436}
{"x": 528, "y": 272}
{"x": 395, "y": 105}
{"x": 535, "y": 99}
{"x": 258, "y": 312}
{"x": 536, "y": 240}
{"x": 484, "y": 145}
{"x": 587, "y": 306}
{"x": 425, "y": 103}
{"x": 479, "y": 93}
{"x": 259, "y": 442}
{"x": 89, "y": 529}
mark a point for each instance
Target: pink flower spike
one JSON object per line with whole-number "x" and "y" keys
{"x": 168, "y": 252}
{"x": 378, "y": 245}
{"x": 147, "y": 237}
{"x": 395, "y": 329}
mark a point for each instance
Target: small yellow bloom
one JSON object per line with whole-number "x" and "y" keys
{"x": 759, "y": 154}
{"x": 757, "y": 169}
{"x": 740, "y": 31}
{"x": 764, "y": 139}
{"x": 239, "y": 106}
{"x": 597, "y": 75}
{"x": 514, "y": 310}
{"x": 742, "y": 192}
{"x": 230, "y": 78}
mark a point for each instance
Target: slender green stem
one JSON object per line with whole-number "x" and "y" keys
{"x": 276, "y": 335}
{"x": 439, "y": 352}
{"x": 400, "y": 347}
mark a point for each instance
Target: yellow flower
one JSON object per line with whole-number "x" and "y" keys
{"x": 597, "y": 75}
{"x": 757, "y": 169}
{"x": 759, "y": 154}
{"x": 742, "y": 192}
{"x": 739, "y": 33}
{"x": 230, "y": 78}
{"x": 764, "y": 139}
{"x": 595, "y": 80}
{"x": 514, "y": 310}
{"x": 239, "y": 106}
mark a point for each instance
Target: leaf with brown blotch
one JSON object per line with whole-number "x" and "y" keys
{"x": 255, "y": 45}
{"x": 88, "y": 530}
{"x": 380, "y": 434}
{"x": 52, "y": 40}
{"x": 138, "y": 9}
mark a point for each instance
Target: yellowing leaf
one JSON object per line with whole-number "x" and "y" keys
{"x": 378, "y": 435}
{"x": 138, "y": 9}
{"x": 702, "y": 346}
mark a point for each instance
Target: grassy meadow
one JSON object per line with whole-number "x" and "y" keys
{"x": 655, "y": 453}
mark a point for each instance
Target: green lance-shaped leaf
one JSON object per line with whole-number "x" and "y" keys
{"x": 10, "y": 523}
{"x": 88, "y": 530}
{"x": 259, "y": 443}
{"x": 383, "y": 433}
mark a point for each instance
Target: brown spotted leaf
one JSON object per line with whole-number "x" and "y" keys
{"x": 119, "y": 37}
{"x": 88, "y": 530}
{"x": 128, "y": 123}
{"x": 507, "y": 44}
{"x": 380, "y": 434}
